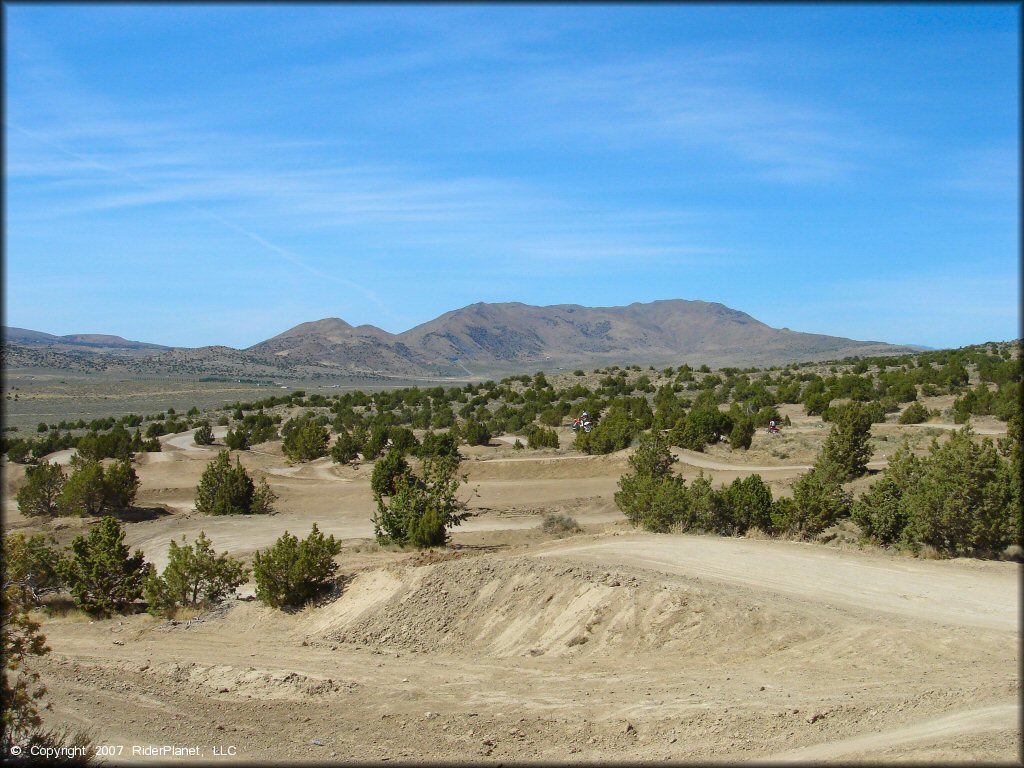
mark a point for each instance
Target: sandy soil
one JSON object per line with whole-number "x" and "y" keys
{"x": 513, "y": 645}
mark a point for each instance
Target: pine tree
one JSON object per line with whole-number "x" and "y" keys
{"x": 227, "y": 490}
{"x": 120, "y": 485}
{"x": 84, "y": 493}
{"x": 307, "y": 442}
{"x": 292, "y": 572}
{"x": 203, "y": 434}
{"x": 42, "y": 492}
{"x": 101, "y": 575}
{"x": 194, "y": 575}
{"x": 421, "y": 509}
{"x": 847, "y": 448}
{"x": 386, "y": 471}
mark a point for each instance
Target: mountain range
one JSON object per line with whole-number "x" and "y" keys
{"x": 490, "y": 339}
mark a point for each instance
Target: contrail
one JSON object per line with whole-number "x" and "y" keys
{"x": 288, "y": 256}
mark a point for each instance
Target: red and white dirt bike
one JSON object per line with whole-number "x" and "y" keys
{"x": 582, "y": 423}
{"x": 773, "y": 429}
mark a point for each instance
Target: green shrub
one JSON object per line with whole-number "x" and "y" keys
{"x": 819, "y": 501}
{"x": 238, "y": 439}
{"x": 704, "y": 425}
{"x": 403, "y": 440}
{"x": 707, "y": 509}
{"x": 292, "y": 572}
{"x": 539, "y": 437}
{"x": 847, "y": 447}
{"x": 203, "y": 434}
{"x": 84, "y": 493}
{"x": 438, "y": 444}
{"x": 421, "y": 509}
{"x": 41, "y": 494}
{"x": 964, "y": 501}
{"x": 101, "y": 575}
{"x": 915, "y": 413}
{"x": 344, "y": 449}
{"x": 475, "y": 433}
{"x": 194, "y": 576}
{"x": 260, "y": 427}
{"x": 551, "y": 417}
{"x": 961, "y": 499}
{"x": 116, "y": 443}
{"x": 120, "y": 485}
{"x": 386, "y": 471}
{"x": 651, "y": 496}
{"x": 17, "y": 451}
{"x": 31, "y": 566}
{"x": 750, "y": 504}
{"x": 783, "y": 514}
{"x": 306, "y": 442}
{"x": 227, "y": 490}
{"x": 22, "y": 691}
{"x": 816, "y": 403}
{"x": 375, "y": 443}
{"x": 880, "y": 512}
{"x": 613, "y": 433}
{"x": 652, "y": 503}
{"x": 742, "y": 434}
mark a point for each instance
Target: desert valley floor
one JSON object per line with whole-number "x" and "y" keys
{"x": 513, "y": 645}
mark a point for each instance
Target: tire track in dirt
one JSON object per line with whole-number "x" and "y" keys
{"x": 994, "y": 431}
{"x": 1003, "y": 716}
{"x": 985, "y": 596}
{"x": 696, "y": 460}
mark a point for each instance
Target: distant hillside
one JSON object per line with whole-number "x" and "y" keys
{"x": 508, "y": 336}
{"x": 481, "y": 339}
{"x": 94, "y": 340}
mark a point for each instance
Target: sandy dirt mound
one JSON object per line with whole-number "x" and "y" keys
{"x": 541, "y": 654}
{"x": 965, "y": 593}
{"x": 525, "y": 606}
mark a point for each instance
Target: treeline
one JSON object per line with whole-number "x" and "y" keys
{"x": 90, "y": 490}
{"x": 685, "y": 403}
{"x": 103, "y": 438}
{"x": 99, "y": 573}
{"x": 962, "y": 499}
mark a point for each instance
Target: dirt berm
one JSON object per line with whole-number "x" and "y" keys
{"x": 537, "y": 654}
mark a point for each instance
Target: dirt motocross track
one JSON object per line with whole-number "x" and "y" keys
{"x": 516, "y": 646}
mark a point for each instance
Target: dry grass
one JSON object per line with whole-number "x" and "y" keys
{"x": 560, "y": 524}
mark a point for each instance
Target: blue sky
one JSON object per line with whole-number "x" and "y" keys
{"x": 216, "y": 174}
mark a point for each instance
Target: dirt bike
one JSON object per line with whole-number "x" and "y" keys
{"x": 578, "y": 424}
{"x": 773, "y": 430}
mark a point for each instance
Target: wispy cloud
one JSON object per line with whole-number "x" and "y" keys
{"x": 358, "y": 154}
{"x": 148, "y": 192}
{"x": 992, "y": 171}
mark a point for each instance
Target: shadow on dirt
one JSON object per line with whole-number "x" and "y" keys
{"x": 333, "y": 592}
{"x": 478, "y": 548}
{"x": 139, "y": 514}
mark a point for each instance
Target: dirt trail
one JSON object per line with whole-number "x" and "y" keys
{"x": 979, "y": 429}
{"x": 985, "y": 595}
{"x": 1004, "y": 716}
{"x": 186, "y": 441}
{"x": 564, "y": 651}
{"x": 695, "y": 459}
